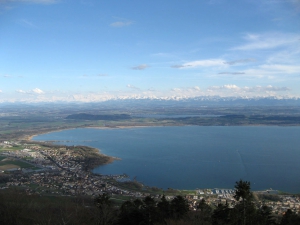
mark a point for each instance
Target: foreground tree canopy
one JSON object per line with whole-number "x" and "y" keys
{"x": 17, "y": 208}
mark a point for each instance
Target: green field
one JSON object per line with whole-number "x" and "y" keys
{"x": 17, "y": 163}
{"x": 14, "y": 148}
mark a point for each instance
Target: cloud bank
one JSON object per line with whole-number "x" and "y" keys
{"x": 176, "y": 93}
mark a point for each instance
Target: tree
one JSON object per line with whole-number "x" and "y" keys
{"x": 242, "y": 191}
{"x": 164, "y": 209}
{"x": 221, "y": 215}
{"x": 102, "y": 200}
{"x": 149, "y": 210}
{"x": 204, "y": 212}
{"x": 106, "y": 212}
{"x": 179, "y": 207}
{"x": 131, "y": 213}
{"x": 138, "y": 212}
{"x": 265, "y": 216}
{"x": 244, "y": 213}
{"x": 290, "y": 218}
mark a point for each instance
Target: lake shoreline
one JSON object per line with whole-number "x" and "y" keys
{"x": 233, "y": 173}
{"x": 96, "y": 151}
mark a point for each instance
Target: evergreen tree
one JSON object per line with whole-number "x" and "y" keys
{"x": 242, "y": 191}
{"x": 264, "y": 216}
{"x": 221, "y": 215}
{"x": 131, "y": 213}
{"x": 179, "y": 207}
{"x": 204, "y": 213}
{"x": 164, "y": 210}
{"x": 106, "y": 212}
{"x": 150, "y": 210}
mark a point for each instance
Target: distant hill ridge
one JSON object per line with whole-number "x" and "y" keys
{"x": 85, "y": 116}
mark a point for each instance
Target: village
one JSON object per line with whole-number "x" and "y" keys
{"x": 61, "y": 171}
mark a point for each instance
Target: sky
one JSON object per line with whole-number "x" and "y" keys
{"x": 97, "y": 50}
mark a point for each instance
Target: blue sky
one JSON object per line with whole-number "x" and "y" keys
{"x": 95, "y": 50}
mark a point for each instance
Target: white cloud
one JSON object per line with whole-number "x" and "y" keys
{"x": 268, "y": 41}
{"x": 132, "y": 87}
{"x": 227, "y": 90}
{"x": 231, "y": 86}
{"x": 140, "y": 67}
{"x": 37, "y": 91}
{"x": 271, "y": 88}
{"x": 0, "y": 91}
{"x": 202, "y": 63}
{"x": 176, "y": 90}
{"x": 242, "y": 90}
{"x": 224, "y": 87}
{"x": 21, "y": 91}
{"x": 288, "y": 56}
{"x": 277, "y": 68}
{"x": 33, "y": 91}
{"x": 121, "y": 23}
{"x": 197, "y": 88}
{"x": 274, "y": 71}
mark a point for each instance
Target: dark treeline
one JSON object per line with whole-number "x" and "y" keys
{"x": 17, "y": 208}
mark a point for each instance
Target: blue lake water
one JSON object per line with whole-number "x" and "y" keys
{"x": 191, "y": 157}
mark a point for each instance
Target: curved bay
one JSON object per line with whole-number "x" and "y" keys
{"x": 192, "y": 157}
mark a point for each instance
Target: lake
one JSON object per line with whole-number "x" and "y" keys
{"x": 190, "y": 157}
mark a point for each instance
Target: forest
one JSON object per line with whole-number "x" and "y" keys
{"x": 19, "y": 208}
